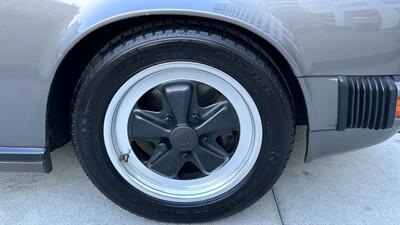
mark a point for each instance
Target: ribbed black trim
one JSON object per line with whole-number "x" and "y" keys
{"x": 366, "y": 102}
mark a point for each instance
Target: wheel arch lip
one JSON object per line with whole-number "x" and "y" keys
{"x": 73, "y": 37}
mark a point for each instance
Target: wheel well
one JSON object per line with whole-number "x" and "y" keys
{"x": 72, "y": 66}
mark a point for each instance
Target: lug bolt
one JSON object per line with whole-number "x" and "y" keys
{"x": 162, "y": 146}
{"x": 168, "y": 119}
{"x": 205, "y": 139}
{"x": 195, "y": 117}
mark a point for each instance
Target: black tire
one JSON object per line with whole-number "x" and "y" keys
{"x": 202, "y": 42}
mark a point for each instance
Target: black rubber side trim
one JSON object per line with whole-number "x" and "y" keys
{"x": 366, "y": 102}
{"x": 25, "y": 159}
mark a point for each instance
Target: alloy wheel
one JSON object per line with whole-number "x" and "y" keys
{"x": 176, "y": 132}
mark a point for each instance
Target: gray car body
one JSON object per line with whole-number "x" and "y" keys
{"x": 320, "y": 40}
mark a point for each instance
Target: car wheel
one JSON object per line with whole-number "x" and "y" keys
{"x": 182, "y": 121}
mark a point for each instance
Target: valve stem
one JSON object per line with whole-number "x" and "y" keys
{"x": 125, "y": 157}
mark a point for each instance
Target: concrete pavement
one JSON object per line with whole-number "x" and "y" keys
{"x": 361, "y": 187}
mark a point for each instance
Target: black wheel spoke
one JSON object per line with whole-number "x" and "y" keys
{"x": 182, "y": 129}
{"x": 218, "y": 118}
{"x": 209, "y": 157}
{"x": 194, "y": 104}
{"x": 178, "y": 97}
{"x": 167, "y": 162}
{"x": 147, "y": 125}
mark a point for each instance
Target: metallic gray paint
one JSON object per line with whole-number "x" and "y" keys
{"x": 321, "y": 95}
{"x": 317, "y": 38}
{"x": 329, "y": 142}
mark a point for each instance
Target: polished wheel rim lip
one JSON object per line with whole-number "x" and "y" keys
{"x": 117, "y": 143}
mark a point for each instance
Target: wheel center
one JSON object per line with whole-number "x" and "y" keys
{"x": 184, "y": 138}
